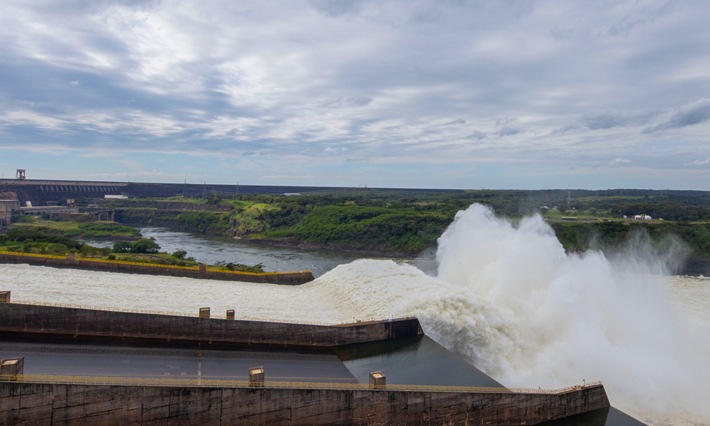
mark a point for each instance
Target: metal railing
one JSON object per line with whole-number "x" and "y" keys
{"x": 227, "y": 383}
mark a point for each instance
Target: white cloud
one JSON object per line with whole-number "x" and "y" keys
{"x": 555, "y": 84}
{"x": 700, "y": 162}
{"x": 619, "y": 161}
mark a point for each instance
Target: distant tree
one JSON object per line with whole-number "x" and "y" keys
{"x": 180, "y": 254}
{"x": 122, "y": 247}
{"x": 145, "y": 245}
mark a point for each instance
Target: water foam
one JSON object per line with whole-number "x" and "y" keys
{"x": 510, "y": 299}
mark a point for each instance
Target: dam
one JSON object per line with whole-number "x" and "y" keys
{"x": 41, "y": 192}
{"x": 109, "y": 367}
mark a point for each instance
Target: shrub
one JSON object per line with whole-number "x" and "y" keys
{"x": 57, "y": 249}
{"x": 122, "y": 247}
{"x": 145, "y": 245}
{"x": 25, "y": 219}
{"x": 180, "y": 254}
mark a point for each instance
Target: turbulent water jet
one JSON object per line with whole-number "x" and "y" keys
{"x": 576, "y": 316}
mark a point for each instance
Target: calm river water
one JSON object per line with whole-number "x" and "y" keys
{"x": 211, "y": 250}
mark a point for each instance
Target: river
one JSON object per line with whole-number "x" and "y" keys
{"x": 504, "y": 295}
{"x": 211, "y": 250}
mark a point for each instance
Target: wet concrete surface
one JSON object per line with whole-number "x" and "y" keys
{"x": 103, "y": 360}
{"x": 415, "y": 361}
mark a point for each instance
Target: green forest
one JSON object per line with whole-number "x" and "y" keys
{"x": 398, "y": 223}
{"x": 406, "y": 222}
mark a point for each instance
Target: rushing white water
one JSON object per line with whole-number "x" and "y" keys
{"x": 506, "y": 296}
{"x": 569, "y": 318}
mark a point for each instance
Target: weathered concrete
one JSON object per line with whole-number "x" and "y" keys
{"x": 201, "y": 272}
{"x": 60, "y": 404}
{"x": 6, "y": 209}
{"x": 33, "y": 321}
{"x": 25, "y": 403}
{"x": 12, "y": 366}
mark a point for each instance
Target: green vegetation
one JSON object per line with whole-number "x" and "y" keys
{"x": 38, "y": 240}
{"x": 373, "y": 228}
{"x": 56, "y": 238}
{"x": 397, "y": 222}
{"x": 405, "y": 222}
{"x": 608, "y": 235}
{"x": 229, "y": 266}
{"x": 67, "y": 228}
{"x": 144, "y": 245}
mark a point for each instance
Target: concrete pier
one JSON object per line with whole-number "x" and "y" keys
{"x": 74, "y": 324}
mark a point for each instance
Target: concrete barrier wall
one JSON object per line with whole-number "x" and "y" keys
{"x": 57, "y": 404}
{"x": 297, "y": 277}
{"x": 41, "y": 191}
{"x": 30, "y": 321}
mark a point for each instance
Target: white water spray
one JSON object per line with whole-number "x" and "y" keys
{"x": 580, "y": 317}
{"x": 510, "y": 299}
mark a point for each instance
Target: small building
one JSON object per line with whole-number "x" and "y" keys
{"x": 40, "y": 210}
{"x": 6, "y": 209}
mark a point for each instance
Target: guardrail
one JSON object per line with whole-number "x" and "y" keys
{"x": 224, "y": 383}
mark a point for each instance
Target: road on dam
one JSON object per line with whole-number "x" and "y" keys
{"x": 184, "y": 363}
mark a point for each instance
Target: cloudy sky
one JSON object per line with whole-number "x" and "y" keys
{"x": 417, "y": 94}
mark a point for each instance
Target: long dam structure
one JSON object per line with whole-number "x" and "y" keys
{"x": 66, "y": 365}
{"x": 40, "y": 192}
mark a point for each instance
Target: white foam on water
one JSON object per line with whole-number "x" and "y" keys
{"x": 582, "y": 317}
{"x": 506, "y": 296}
{"x": 509, "y": 298}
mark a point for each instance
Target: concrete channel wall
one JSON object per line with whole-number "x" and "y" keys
{"x": 71, "y": 324}
{"x": 63, "y": 404}
{"x": 201, "y": 272}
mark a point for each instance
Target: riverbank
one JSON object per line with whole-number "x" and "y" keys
{"x": 200, "y": 271}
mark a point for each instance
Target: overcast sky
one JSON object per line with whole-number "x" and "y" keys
{"x": 417, "y": 94}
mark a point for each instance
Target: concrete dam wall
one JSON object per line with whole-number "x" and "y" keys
{"x": 58, "y": 400}
{"x": 33, "y": 321}
{"x": 40, "y": 192}
{"x": 67, "y": 404}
